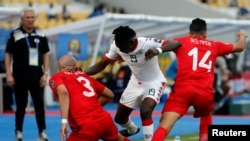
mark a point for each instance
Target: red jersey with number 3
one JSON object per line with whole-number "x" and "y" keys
{"x": 196, "y": 61}
{"x": 83, "y": 92}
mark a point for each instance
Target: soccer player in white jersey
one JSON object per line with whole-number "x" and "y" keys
{"x": 147, "y": 82}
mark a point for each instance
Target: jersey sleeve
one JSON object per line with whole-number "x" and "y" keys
{"x": 223, "y": 48}
{"x": 54, "y": 82}
{"x": 155, "y": 43}
{"x": 112, "y": 53}
{"x": 10, "y": 43}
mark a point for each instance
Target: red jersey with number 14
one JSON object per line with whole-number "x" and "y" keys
{"x": 83, "y": 92}
{"x": 196, "y": 61}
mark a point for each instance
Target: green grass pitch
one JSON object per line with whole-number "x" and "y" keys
{"x": 186, "y": 137}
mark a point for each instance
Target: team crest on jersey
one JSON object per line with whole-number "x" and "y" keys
{"x": 140, "y": 52}
{"x": 157, "y": 40}
{"x": 52, "y": 83}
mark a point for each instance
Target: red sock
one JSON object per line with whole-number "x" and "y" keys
{"x": 160, "y": 134}
{"x": 147, "y": 122}
{"x": 125, "y": 138}
{"x": 204, "y": 123}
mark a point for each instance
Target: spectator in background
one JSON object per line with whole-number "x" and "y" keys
{"x": 52, "y": 13}
{"x": 204, "y": 1}
{"x": 30, "y": 4}
{"x": 235, "y": 76}
{"x": 65, "y": 12}
{"x": 221, "y": 79}
{"x": 28, "y": 49}
{"x": 121, "y": 11}
{"x": 114, "y": 10}
{"x": 221, "y": 86}
{"x": 244, "y": 13}
{"x": 98, "y": 10}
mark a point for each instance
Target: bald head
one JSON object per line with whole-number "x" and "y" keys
{"x": 67, "y": 63}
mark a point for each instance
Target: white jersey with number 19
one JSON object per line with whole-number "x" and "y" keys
{"x": 142, "y": 71}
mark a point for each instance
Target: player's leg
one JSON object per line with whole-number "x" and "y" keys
{"x": 167, "y": 121}
{"x": 146, "y": 111}
{"x": 204, "y": 123}
{"x": 128, "y": 102}
{"x": 152, "y": 92}
{"x": 176, "y": 105}
{"x": 122, "y": 118}
{"x": 108, "y": 135}
{"x": 203, "y": 106}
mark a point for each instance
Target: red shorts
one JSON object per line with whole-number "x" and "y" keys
{"x": 104, "y": 129}
{"x": 182, "y": 97}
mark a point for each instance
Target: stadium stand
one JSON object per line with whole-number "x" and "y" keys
{"x": 78, "y": 11}
{"x": 225, "y": 3}
{"x": 243, "y": 3}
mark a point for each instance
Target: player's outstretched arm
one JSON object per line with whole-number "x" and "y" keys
{"x": 241, "y": 43}
{"x": 170, "y": 46}
{"x": 96, "y": 68}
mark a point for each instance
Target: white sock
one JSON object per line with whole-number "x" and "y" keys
{"x": 130, "y": 126}
{"x": 148, "y": 132}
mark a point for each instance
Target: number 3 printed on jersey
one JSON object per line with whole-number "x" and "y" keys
{"x": 200, "y": 63}
{"x": 86, "y": 84}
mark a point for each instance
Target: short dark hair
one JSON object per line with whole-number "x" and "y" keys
{"x": 123, "y": 34}
{"x": 198, "y": 26}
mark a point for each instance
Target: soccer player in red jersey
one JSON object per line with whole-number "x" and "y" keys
{"x": 195, "y": 75}
{"x": 81, "y": 98}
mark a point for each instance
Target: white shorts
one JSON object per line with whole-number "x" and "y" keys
{"x": 135, "y": 92}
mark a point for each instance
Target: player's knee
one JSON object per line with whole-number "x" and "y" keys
{"x": 147, "y": 108}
